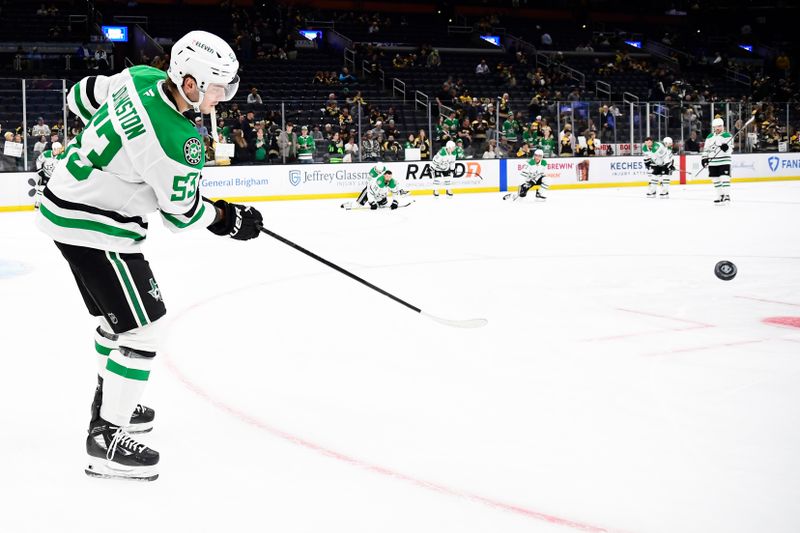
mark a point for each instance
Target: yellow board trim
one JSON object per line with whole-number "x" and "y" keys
{"x": 327, "y": 196}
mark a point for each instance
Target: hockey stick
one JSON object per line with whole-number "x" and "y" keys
{"x": 743, "y": 128}
{"x": 471, "y": 323}
{"x": 355, "y": 206}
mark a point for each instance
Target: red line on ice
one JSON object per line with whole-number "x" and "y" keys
{"x": 767, "y": 301}
{"x": 299, "y": 441}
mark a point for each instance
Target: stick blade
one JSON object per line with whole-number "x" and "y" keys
{"x": 471, "y": 323}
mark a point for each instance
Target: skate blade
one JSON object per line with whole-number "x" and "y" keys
{"x": 101, "y": 468}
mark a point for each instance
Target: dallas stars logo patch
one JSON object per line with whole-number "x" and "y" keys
{"x": 154, "y": 291}
{"x": 193, "y": 151}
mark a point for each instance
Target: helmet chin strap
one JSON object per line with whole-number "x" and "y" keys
{"x": 195, "y": 105}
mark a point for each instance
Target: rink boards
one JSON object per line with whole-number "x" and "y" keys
{"x": 312, "y": 181}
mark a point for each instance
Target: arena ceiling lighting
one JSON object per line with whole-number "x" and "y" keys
{"x": 494, "y": 39}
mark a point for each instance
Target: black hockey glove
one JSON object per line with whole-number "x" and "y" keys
{"x": 671, "y": 167}
{"x": 723, "y": 147}
{"x": 373, "y": 206}
{"x": 240, "y": 222}
{"x": 704, "y": 162}
{"x": 648, "y": 165}
{"x": 382, "y": 202}
{"x": 394, "y": 205}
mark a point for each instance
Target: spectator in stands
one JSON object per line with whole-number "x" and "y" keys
{"x": 100, "y": 59}
{"x": 332, "y": 106}
{"x": 254, "y": 98}
{"x": 505, "y": 106}
{"x": 391, "y": 129}
{"x": 40, "y": 128}
{"x": 479, "y": 128}
{"x": 306, "y": 146}
{"x": 424, "y": 144}
{"x": 482, "y": 69}
{"x": 260, "y": 146}
{"x": 491, "y": 151}
{"x": 503, "y": 149}
{"x": 783, "y": 64}
{"x": 54, "y": 138}
{"x": 392, "y": 151}
{"x": 336, "y": 149}
{"x": 345, "y": 77}
{"x": 84, "y": 55}
{"x": 319, "y": 77}
{"x": 511, "y": 131}
{"x": 608, "y": 124}
{"x": 524, "y": 151}
{"x": 241, "y": 150}
{"x": 351, "y": 150}
{"x": 691, "y": 145}
{"x": 370, "y": 148}
{"x": 247, "y": 123}
{"x": 40, "y": 146}
{"x": 200, "y": 127}
{"x": 287, "y": 143}
{"x": 434, "y": 60}
{"x": 378, "y": 132}
{"x": 566, "y": 141}
{"x": 465, "y": 134}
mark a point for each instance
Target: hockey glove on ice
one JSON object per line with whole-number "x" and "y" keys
{"x": 723, "y": 147}
{"x": 394, "y": 205}
{"x": 373, "y": 206}
{"x": 238, "y": 221}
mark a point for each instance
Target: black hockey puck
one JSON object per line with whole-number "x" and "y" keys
{"x": 725, "y": 270}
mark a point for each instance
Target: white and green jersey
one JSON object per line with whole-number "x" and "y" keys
{"x": 459, "y": 152}
{"x": 650, "y": 153}
{"x": 444, "y": 162}
{"x": 534, "y": 170}
{"x": 46, "y": 163}
{"x": 306, "y": 147}
{"x": 137, "y": 155}
{"x": 663, "y": 155}
{"x": 378, "y": 187}
{"x": 711, "y": 149}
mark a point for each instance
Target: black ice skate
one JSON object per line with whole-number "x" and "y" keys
{"x": 540, "y": 197}
{"x": 726, "y": 198}
{"x": 720, "y": 200}
{"x": 651, "y": 194}
{"x": 664, "y": 195}
{"x": 449, "y": 192}
{"x": 114, "y": 454}
{"x": 141, "y": 419}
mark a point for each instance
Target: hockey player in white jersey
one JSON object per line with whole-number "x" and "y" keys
{"x": 137, "y": 155}
{"x": 376, "y": 192}
{"x": 444, "y": 165}
{"x": 534, "y": 174}
{"x": 717, "y": 156}
{"x": 659, "y": 163}
{"x": 45, "y": 164}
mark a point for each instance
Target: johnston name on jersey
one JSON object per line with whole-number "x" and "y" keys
{"x": 137, "y": 155}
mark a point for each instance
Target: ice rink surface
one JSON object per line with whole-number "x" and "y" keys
{"x": 619, "y": 386}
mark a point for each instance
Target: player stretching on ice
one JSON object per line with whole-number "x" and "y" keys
{"x": 376, "y": 193}
{"x": 535, "y": 173}
{"x": 137, "y": 155}
{"x": 717, "y": 152}
{"x": 45, "y": 165}
{"x": 444, "y": 164}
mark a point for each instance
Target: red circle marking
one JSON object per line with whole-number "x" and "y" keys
{"x": 788, "y": 321}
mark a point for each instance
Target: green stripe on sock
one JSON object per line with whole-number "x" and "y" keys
{"x": 134, "y": 296}
{"x": 102, "y": 350}
{"x": 125, "y": 372}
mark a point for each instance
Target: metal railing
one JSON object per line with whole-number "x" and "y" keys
{"x": 602, "y": 87}
{"x": 619, "y": 126}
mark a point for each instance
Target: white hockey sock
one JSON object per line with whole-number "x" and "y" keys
{"x": 717, "y": 186}
{"x": 126, "y": 375}
{"x": 725, "y": 185}
{"x": 104, "y": 341}
{"x": 651, "y": 187}
{"x": 665, "y": 185}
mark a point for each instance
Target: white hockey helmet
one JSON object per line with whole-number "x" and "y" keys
{"x": 57, "y": 148}
{"x": 538, "y": 152}
{"x": 209, "y": 60}
{"x": 717, "y": 122}
{"x": 450, "y": 146}
{"x": 667, "y": 141}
